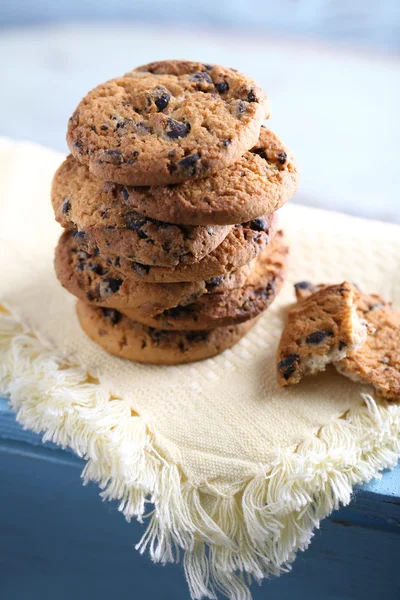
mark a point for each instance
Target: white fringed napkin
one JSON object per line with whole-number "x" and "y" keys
{"x": 229, "y": 460}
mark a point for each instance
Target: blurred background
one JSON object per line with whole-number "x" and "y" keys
{"x": 330, "y": 68}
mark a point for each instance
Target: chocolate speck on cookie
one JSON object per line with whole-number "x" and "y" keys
{"x": 112, "y": 314}
{"x": 316, "y": 337}
{"x": 176, "y": 129}
{"x": 66, "y": 206}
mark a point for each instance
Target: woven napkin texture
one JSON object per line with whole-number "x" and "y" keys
{"x": 229, "y": 459}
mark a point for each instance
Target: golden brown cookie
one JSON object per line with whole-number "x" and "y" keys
{"x": 241, "y": 245}
{"x": 102, "y": 219}
{"x": 236, "y": 300}
{"x": 259, "y": 183}
{"x": 167, "y": 122}
{"x": 377, "y": 362}
{"x": 92, "y": 278}
{"x": 322, "y": 328}
{"x": 125, "y": 338}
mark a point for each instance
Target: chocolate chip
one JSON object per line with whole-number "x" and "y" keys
{"x": 189, "y": 164}
{"x": 200, "y": 76}
{"x": 288, "y": 365}
{"x": 316, "y": 337}
{"x": 251, "y": 97}
{"x": 194, "y": 337}
{"x": 226, "y": 142}
{"x": 113, "y": 285}
{"x": 140, "y": 269}
{"x": 90, "y": 296}
{"x": 96, "y": 268}
{"x": 66, "y": 206}
{"x": 342, "y": 345}
{"x": 214, "y": 282}
{"x": 177, "y": 311}
{"x": 78, "y": 144}
{"x": 117, "y": 262}
{"x": 74, "y": 117}
{"x": 113, "y": 157}
{"x": 133, "y": 157}
{"x": 266, "y": 292}
{"x": 202, "y": 79}
{"x": 95, "y": 251}
{"x": 79, "y": 236}
{"x": 172, "y": 168}
{"x": 241, "y": 107}
{"x": 303, "y": 285}
{"x": 282, "y": 156}
{"x": 260, "y": 152}
{"x": 158, "y": 335}
{"x": 208, "y": 67}
{"x": 104, "y": 214}
{"x": 134, "y": 221}
{"x": 222, "y": 87}
{"x": 176, "y": 129}
{"x": 104, "y": 127}
{"x": 162, "y": 101}
{"x": 259, "y": 224}
{"x": 288, "y": 361}
{"x": 112, "y": 314}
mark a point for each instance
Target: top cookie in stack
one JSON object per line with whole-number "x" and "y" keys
{"x": 168, "y": 201}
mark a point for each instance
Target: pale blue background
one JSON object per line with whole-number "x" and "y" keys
{"x": 364, "y": 22}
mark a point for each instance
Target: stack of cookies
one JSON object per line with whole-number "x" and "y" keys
{"x": 168, "y": 201}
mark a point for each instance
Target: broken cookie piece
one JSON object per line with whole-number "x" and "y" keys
{"x": 377, "y": 361}
{"x": 322, "y": 328}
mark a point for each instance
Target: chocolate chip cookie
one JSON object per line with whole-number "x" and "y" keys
{"x": 125, "y": 338}
{"x": 94, "y": 279}
{"x": 102, "y": 220}
{"x": 241, "y": 245}
{"x": 322, "y": 328}
{"x": 167, "y": 122}
{"x": 260, "y": 182}
{"x": 234, "y": 301}
{"x": 377, "y": 362}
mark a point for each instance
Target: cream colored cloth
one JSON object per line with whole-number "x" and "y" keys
{"x": 229, "y": 458}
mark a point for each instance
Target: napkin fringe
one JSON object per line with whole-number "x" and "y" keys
{"x": 227, "y": 539}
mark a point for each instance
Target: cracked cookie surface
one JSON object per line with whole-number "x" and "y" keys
{"x": 323, "y": 327}
{"x": 167, "y": 122}
{"x": 238, "y": 298}
{"x": 95, "y": 279}
{"x": 242, "y": 244}
{"x": 128, "y": 339}
{"x": 259, "y": 183}
{"x": 377, "y": 362}
{"x": 97, "y": 212}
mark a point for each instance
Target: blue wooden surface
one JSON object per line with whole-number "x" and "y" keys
{"x": 58, "y": 540}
